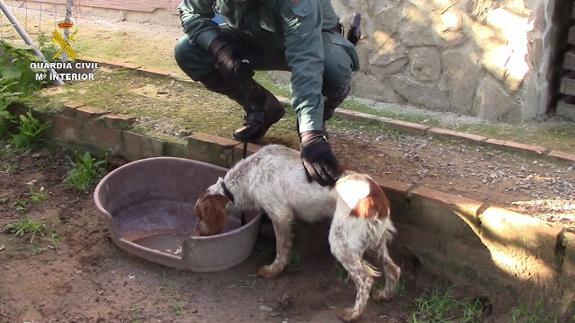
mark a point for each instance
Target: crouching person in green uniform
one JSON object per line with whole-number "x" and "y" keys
{"x": 301, "y": 36}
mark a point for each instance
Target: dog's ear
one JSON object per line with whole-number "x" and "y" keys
{"x": 375, "y": 204}
{"x": 210, "y": 209}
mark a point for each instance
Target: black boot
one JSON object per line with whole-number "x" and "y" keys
{"x": 262, "y": 108}
{"x": 331, "y": 102}
{"x": 262, "y": 111}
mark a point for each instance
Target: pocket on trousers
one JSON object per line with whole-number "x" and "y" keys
{"x": 339, "y": 40}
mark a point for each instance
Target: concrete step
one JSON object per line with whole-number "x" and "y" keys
{"x": 566, "y": 110}
{"x": 567, "y": 85}
{"x": 569, "y": 60}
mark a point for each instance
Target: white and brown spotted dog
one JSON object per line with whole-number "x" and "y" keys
{"x": 273, "y": 180}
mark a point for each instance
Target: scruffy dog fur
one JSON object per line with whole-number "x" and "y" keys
{"x": 273, "y": 180}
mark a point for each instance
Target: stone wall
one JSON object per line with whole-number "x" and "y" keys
{"x": 473, "y": 57}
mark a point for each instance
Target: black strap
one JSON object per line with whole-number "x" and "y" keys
{"x": 227, "y": 192}
{"x": 245, "y": 150}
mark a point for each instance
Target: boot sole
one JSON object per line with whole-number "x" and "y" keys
{"x": 262, "y": 131}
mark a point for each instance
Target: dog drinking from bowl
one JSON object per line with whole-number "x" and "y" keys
{"x": 273, "y": 180}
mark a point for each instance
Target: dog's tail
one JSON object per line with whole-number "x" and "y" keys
{"x": 363, "y": 196}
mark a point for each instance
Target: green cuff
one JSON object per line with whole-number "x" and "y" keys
{"x": 313, "y": 120}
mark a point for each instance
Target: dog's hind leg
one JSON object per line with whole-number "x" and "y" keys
{"x": 362, "y": 275}
{"x": 391, "y": 271}
{"x": 282, "y": 222}
{"x": 359, "y": 270}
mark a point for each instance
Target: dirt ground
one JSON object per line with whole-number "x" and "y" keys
{"x": 76, "y": 274}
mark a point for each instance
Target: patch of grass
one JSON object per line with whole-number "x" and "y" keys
{"x": 340, "y": 272}
{"x": 422, "y": 118}
{"x": 178, "y": 309}
{"x": 21, "y": 205}
{"x": 27, "y": 227}
{"x": 243, "y": 283}
{"x": 441, "y": 306}
{"x": 266, "y": 81}
{"x": 401, "y": 289}
{"x": 55, "y": 239}
{"x": 30, "y": 130}
{"x": 549, "y": 135}
{"x": 6, "y": 98}
{"x": 371, "y": 127}
{"x": 295, "y": 260}
{"x": 532, "y": 314}
{"x": 8, "y": 168}
{"x": 37, "y": 195}
{"x": 84, "y": 172}
{"x": 135, "y": 312}
{"x": 47, "y": 47}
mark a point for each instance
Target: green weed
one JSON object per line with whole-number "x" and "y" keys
{"x": 8, "y": 168}
{"x": 84, "y": 172}
{"x": 135, "y": 312}
{"x": 6, "y": 98}
{"x": 15, "y": 72}
{"x": 47, "y": 47}
{"x": 37, "y": 195}
{"x": 27, "y": 227}
{"x": 243, "y": 283}
{"x": 295, "y": 260}
{"x": 17, "y": 79}
{"x": 21, "y": 205}
{"x": 340, "y": 272}
{"x": 401, "y": 289}
{"x": 55, "y": 239}
{"x": 440, "y": 307}
{"x": 532, "y": 314}
{"x": 30, "y": 130}
{"x": 178, "y": 309}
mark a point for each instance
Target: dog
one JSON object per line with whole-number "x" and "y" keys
{"x": 273, "y": 180}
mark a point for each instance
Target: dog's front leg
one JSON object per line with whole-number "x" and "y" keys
{"x": 282, "y": 222}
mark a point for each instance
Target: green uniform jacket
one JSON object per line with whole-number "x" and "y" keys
{"x": 292, "y": 26}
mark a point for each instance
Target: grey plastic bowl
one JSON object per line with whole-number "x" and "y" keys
{"x": 148, "y": 206}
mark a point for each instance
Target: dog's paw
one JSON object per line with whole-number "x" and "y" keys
{"x": 383, "y": 295}
{"x": 268, "y": 272}
{"x": 348, "y": 315}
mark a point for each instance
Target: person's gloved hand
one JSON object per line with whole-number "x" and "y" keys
{"x": 227, "y": 61}
{"x": 318, "y": 159}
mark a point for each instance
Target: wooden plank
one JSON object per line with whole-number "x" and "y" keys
{"x": 567, "y": 86}
{"x": 569, "y": 60}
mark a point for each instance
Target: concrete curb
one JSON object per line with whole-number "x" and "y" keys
{"x": 409, "y": 127}
{"x": 419, "y": 129}
{"x": 506, "y": 256}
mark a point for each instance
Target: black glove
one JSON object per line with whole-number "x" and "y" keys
{"x": 318, "y": 159}
{"x": 227, "y": 61}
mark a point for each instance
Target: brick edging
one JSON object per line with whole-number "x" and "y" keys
{"x": 409, "y": 127}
